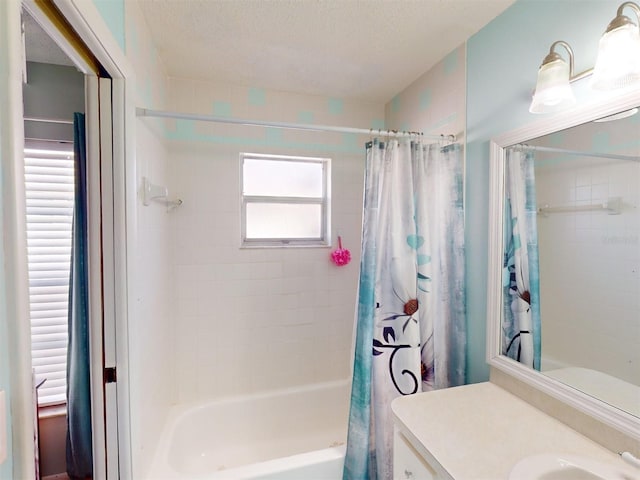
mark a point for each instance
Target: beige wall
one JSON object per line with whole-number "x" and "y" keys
{"x": 53, "y": 436}
{"x": 435, "y": 102}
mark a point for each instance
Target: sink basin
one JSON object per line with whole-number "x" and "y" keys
{"x": 569, "y": 467}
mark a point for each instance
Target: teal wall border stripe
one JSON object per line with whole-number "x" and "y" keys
{"x": 112, "y": 11}
{"x": 185, "y": 131}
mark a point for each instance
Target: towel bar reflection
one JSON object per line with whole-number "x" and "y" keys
{"x": 613, "y": 206}
{"x": 151, "y": 191}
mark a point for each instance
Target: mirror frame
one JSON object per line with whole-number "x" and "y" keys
{"x": 622, "y": 421}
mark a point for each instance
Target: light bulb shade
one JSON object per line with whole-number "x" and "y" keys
{"x": 553, "y": 91}
{"x": 618, "y": 62}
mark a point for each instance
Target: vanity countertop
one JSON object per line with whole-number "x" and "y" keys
{"x": 480, "y": 431}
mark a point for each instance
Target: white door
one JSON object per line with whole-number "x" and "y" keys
{"x": 102, "y": 286}
{"x": 108, "y": 279}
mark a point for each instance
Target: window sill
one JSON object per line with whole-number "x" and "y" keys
{"x": 48, "y": 411}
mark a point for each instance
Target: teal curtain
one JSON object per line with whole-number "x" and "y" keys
{"x": 521, "y": 332}
{"x": 411, "y": 333}
{"x": 79, "y": 445}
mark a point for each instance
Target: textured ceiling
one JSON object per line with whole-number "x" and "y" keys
{"x": 360, "y": 49}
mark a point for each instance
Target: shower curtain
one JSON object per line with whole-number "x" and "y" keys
{"x": 521, "y": 278}
{"x": 410, "y": 333}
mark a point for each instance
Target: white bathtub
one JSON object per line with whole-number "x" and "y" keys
{"x": 286, "y": 434}
{"x": 551, "y": 363}
{"x": 612, "y": 390}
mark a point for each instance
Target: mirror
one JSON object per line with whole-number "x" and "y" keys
{"x": 584, "y": 190}
{"x": 564, "y": 312}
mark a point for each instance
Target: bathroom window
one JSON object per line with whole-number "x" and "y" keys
{"x": 49, "y": 189}
{"x": 285, "y": 200}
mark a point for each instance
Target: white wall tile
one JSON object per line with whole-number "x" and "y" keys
{"x": 154, "y": 290}
{"x": 586, "y": 256}
{"x": 257, "y": 318}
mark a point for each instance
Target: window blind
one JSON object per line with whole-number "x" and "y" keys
{"x": 49, "y": 188}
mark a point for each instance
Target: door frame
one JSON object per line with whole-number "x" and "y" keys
{"x": 87, "y": 22}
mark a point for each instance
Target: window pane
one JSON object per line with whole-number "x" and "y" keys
{"x": 278, "y": 220}
{"x": 282, "y": 178}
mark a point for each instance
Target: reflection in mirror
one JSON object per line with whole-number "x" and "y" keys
{"x": 520, "y": 294}
{"x": 571, "y": 278}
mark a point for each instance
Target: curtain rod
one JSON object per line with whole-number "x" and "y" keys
{"x": 579, "y": 153}
{"x": 48, "y": 140}
{"x": 48, "y": 120}
{"x": 146, "y": 112}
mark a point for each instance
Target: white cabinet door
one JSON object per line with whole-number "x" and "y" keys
{"x": 408, "y": 464}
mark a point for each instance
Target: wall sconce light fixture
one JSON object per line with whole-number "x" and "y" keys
{"x": 553, "y": 91}
{"x": 617, "y": 65}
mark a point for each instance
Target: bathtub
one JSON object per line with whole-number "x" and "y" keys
{"x": 296, "y": 433}
{"x": 612, "y": 390}
{"x": 551, "y": 363}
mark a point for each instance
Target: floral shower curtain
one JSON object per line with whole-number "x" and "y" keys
{"x": 521, "y": 278}
{"x": 411, "y": 332}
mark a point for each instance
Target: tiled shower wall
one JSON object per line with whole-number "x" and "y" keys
{"x": 590, "y": 261}
{"x": 256, "y": 319}
{"x": 151, "y": 318}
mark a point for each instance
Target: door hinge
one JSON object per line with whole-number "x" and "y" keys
{"x": 110, "y": 375}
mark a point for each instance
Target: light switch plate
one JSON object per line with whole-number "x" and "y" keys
{"x": 3, "y": 428}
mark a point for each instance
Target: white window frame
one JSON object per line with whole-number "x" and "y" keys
{"x": 324, "y": 201}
